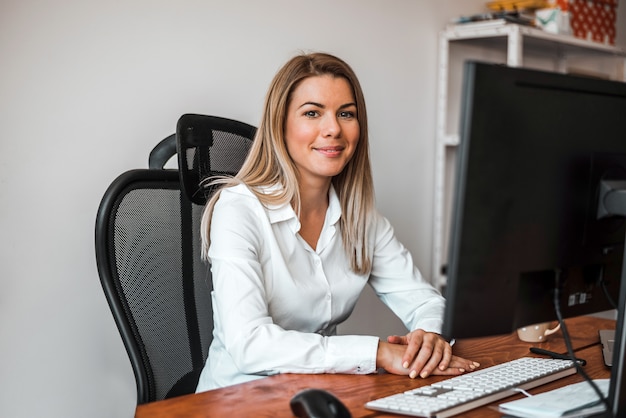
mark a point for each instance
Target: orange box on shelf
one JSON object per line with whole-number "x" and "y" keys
{"x": 593, "y": 20}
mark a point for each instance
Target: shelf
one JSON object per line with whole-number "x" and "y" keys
{"x": 451, "y": 140}
{"x": 460, "y": 33}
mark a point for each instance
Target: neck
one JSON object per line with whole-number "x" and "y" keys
{"x": 313, "y": 206}
{"x": 314, "y": 197}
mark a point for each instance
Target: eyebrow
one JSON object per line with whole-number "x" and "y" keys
{"x": 343, "y": 106}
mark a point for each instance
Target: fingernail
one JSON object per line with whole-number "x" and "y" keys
{"x": 476, "y": 364}
{"x": 406, "y": 365}
{"x": 424, "y": 375}
{"x": 462, "y": 370}
{"x": 413, "y": 374}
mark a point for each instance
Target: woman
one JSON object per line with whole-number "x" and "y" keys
{"x": 295, "y": 237}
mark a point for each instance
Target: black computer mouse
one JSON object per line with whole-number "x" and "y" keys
{"x": 318, "y": 403}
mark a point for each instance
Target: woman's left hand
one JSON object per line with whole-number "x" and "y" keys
{"x": 428, "y": 353}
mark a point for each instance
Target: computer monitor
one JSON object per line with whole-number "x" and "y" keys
{"x": 537, "y": 150}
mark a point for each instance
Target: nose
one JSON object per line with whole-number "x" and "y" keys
{"x": 331, "y": 126}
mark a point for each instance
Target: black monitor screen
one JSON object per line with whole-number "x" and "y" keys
{"x": 534, "y": 147}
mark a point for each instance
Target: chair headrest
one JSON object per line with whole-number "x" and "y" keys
{"x": 209, "y": 146}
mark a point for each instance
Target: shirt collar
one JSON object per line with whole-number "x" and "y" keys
{"x": 334, "y": 207}
{"x": 284, "y": 212}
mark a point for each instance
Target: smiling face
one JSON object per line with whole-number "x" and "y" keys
{"x": 321, "y": 130}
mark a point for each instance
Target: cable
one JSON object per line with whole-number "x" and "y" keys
{"x": 568, "y": 341}
{"x": 522, "y": 391}
{"x": 607, "y": 294}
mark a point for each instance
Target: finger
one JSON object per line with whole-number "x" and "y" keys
{"x": 450, "y": 371}
{"x": 459, "y": 362}
{"x": 457, "y": 366}
{"x": 432, "y": 363}
{"x": 422, "y": 358}
{"x": 447, "y": 356}
{"x": 397, "y": 339}
{"x": 415, "y": 341}
{"x": 413, "y": 351}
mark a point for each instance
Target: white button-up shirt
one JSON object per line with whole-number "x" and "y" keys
{"x": 277, "y": 302}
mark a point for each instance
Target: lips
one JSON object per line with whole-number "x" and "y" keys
{"x": 330, "y": 150}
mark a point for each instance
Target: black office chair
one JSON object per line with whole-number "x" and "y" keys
{"x": 148, "y": 253}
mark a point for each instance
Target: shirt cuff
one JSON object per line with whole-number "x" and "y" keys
{"x": 352, "y": 354}
{"x": 430, "y": 325}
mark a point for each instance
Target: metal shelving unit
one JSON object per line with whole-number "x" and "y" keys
{"x": 516, "y": 41}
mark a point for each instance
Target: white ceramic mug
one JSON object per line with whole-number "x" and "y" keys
{"x": 537, "y": 332}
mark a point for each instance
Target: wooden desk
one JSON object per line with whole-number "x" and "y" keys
{"x": 270, "y": 397}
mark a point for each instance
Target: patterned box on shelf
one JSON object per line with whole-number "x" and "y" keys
{"x": 593, "y": 20}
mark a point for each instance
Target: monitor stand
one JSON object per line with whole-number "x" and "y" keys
{"x": 607, "y": 339}
{"x": 613, "y": 202}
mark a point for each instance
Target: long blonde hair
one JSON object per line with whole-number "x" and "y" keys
{"x": 269, "y": 163}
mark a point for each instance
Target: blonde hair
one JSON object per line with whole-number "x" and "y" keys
{"x": 269, "y": 163}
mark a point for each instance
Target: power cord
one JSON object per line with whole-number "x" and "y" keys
{"x": 568, "y": 342}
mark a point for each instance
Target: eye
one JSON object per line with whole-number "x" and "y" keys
{"x": 347, "y": 114}
{"x": 311, "y": 113}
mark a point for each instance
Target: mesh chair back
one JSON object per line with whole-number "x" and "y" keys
{"x": 161, "y": 305}
{"x": 148, "y": 256}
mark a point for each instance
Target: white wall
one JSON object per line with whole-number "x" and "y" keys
{"x": 87, "y": 88}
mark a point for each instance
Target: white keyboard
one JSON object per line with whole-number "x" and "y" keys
{"x": 462, "y": 393}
